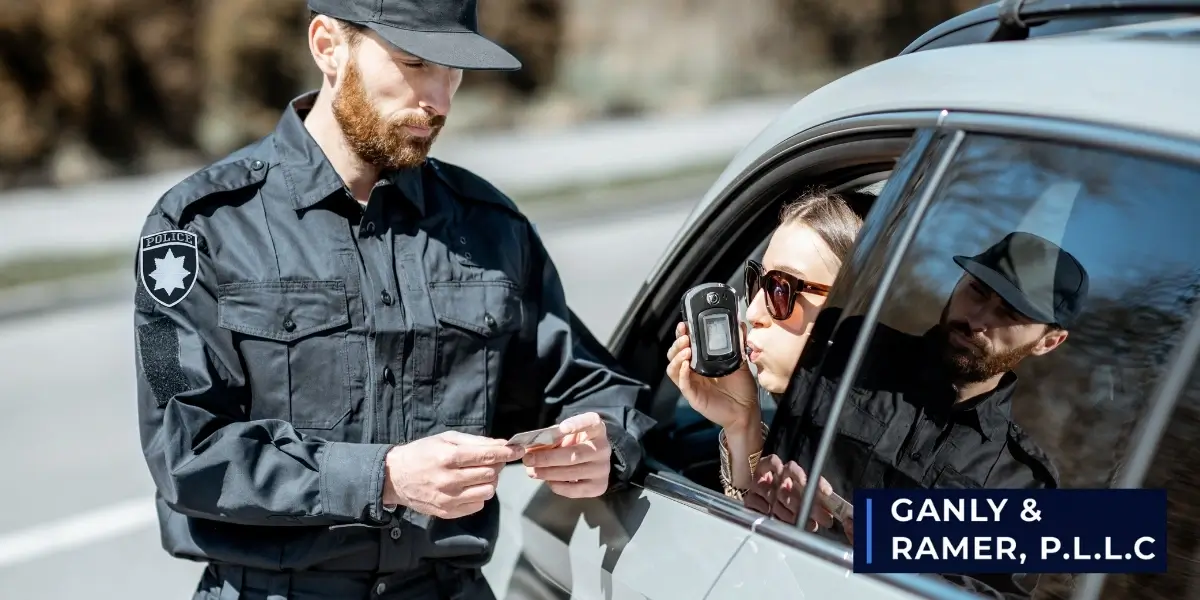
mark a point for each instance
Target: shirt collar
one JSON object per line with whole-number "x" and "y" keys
{"x": 308, "y": 171}
{"x": 992, "y": 410}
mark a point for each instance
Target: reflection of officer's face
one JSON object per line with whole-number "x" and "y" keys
{"x": 391, "y": 105}
{"x": 980, "y": 336}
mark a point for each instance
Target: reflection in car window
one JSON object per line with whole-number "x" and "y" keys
{"x": 1175, "y": 468}
{"x": 1030, "y": 319}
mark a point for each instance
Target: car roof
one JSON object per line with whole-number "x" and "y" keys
{"x": 1020, "y": 19}
{"x": 1132, "y": 76}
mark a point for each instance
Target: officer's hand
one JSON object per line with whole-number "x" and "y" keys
{"x": 579, "y": 466}
{"x": 448, "y": 475}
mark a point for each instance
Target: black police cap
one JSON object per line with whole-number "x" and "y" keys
{"x": 1036, "y": 277}
{"x": 444, "y": 32}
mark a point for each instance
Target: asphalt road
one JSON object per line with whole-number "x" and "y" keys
{"x": 77, "y": 518}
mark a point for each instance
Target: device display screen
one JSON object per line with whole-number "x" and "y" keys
{"x": 716, "y": 334}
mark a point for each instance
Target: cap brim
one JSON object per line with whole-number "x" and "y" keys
{"x": 1005, "y": 289}
{"x": 456, "y": 49}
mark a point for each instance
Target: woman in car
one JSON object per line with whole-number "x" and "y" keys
{"x": 785, "y": 293}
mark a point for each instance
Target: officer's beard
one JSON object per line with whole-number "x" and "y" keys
{"x": 976, "y": 361}
{"x": 379, "y": 142}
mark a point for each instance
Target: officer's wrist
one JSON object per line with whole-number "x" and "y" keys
{"x": 390, "y": 498}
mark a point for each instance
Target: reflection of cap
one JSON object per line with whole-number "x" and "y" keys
{"x": 444, "y": 32}
{"x": 1039, "y": 279}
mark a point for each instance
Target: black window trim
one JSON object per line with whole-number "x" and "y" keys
{"x": 787, "y": 161}
{"x": 959, "y": 124}
{"x": 789, "y": 156}
{"x": 803, "y": 141}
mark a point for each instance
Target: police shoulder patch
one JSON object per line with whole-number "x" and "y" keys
{"x": 168, "y": 265}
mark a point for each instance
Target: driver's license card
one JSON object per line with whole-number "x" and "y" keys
{"x": 538, "y": 439}
{"x": 837, "y": 506}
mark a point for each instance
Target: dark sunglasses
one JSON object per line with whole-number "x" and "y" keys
{"x": 780, "y": 288}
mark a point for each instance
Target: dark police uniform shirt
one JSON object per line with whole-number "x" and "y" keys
{"x": 319, "y": 333}
{"x": 900, "y": 426}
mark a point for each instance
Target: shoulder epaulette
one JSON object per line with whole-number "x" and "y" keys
{"x": 223, "y": 176}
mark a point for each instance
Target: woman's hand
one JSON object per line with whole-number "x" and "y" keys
{"x": 778, "y": 489}
{"x": 730, "y": 401}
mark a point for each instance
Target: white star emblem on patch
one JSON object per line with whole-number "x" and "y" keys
{"x": 168, "y": 273}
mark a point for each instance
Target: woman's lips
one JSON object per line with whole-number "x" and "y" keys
{"x": 753, "y": 352}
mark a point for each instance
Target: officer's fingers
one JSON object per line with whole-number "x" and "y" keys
{"x": 580, "y": 472}
{"x": 681, "y": 329}
{"x": 459, "y": 510}
{"x": 476, "y": 494}
{"x": 463, "y": 478}
{"x": 465, "y": 439}
{"x": 586, "y": 426}
{"x": 483, "y": 456}
{"x": 567, "y": 455}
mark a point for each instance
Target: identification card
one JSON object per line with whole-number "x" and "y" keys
{"x": 837, "y": 506}
{"x": 538, "y": 439}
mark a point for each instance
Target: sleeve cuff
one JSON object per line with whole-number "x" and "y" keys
{"x": 352, "y": 481}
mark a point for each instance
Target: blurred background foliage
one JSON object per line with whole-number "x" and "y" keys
{"x": 95, "y": 88}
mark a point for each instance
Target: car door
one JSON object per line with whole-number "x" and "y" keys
{"x": 1092, "y": 408}
{"x": 671, "y": 535}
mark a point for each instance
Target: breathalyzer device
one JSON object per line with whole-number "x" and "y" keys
{"x": 710, "y": 311}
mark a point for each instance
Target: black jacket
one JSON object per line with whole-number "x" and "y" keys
{"x": 287, "y": 337}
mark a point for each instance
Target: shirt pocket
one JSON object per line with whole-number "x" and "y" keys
{"x": 476, "y": 320}
{"x": 857, "y": 434}
{"x": 293, "y": 339}
{"x": 951, "y": 479}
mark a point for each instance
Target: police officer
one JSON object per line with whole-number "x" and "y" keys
{"x": 335, "y": 335}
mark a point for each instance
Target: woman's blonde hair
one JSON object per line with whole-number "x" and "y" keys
{"x": 829, "y": 216}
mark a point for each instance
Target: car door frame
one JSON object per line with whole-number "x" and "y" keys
{"x": 962, "y": 124}
{"x": 835, "y": 146}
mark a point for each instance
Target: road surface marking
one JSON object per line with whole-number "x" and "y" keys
{"x": 76, "y": 531}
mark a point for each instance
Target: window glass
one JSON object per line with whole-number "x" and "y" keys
{"x": 1028, "y": 323}
{"x": 1175, "y": 468}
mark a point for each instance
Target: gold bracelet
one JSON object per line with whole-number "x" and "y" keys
{"x": 726, "y": 473}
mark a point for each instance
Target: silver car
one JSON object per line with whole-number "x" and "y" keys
{"x": 1079, "y": 121}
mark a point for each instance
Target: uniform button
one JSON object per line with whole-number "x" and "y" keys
{"x": 369, "y": 228}
{"x": 395, "y": 533}
{"x": 387, "y": 375}
{"x": 257, "y": 165}
{"x": 462, "y": 240}
{"x": 490, "y": 321}
{"x": 381, "y": 588}
{"x": 915, "y": 456}
{"x": 289, "y": 324}
{"x": 467, "y": 255}
{"x": 386, "y": 297}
